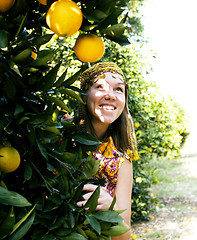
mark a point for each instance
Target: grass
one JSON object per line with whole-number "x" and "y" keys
{"x": 173, "y": 179}
{"x": 176, "y": 188}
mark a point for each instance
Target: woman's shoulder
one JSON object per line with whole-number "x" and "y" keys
{"x": 129, "y": 155}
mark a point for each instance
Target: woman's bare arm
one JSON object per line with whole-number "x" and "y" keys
{"x": 123, "y": 195}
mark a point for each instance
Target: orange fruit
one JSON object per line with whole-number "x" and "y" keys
{"x": 34, "y": 55}
{"x": 137, "y": 124}
{"x": 133, "y": 236}
{"x": 43, "y": 2}
{"x": 89, "y": 47}
{"x": 9, "y": 159}
{"x": 5, "y": 5}
{"x": 64, "y": 18}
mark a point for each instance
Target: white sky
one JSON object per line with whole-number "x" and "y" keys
{"x": 171, "y": 27}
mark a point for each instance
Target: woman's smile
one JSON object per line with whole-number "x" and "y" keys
{"x": 106, "y": 99}
{"x": 107, "y": 107}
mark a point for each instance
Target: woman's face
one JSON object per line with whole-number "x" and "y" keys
{"x": 106, "y": 98}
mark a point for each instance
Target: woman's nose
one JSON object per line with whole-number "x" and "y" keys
{"x": 110, "y": 95}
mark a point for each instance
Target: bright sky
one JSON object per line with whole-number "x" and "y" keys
{"x": 171, "y": 27}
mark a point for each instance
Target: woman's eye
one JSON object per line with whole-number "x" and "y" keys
{"x": 99, "y": 86}
{"x": 119, "y": 89}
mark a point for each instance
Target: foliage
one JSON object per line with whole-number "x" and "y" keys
{"x": 35, "y": 93}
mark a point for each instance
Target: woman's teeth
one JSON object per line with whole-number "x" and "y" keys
{"x": 107, "y": 107}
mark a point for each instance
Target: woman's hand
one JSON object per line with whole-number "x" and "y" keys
{"x": 104, "y": 200}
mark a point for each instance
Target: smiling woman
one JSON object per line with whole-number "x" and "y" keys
{"x": 105, "y": 101}
{"x": 105, "y": 115}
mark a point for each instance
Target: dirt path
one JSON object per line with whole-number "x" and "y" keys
{"x": 176, "y": 215}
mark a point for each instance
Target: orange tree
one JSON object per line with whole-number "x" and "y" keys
{"x": 38, "y": 199}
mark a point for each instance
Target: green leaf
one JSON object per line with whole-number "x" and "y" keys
{"x": 98, "y": 14}
{"x": 10, "y": 88}
{"x": 69, "y": 157}
{"x": 53, "y": 129}
{"x": 93, "y": 200}
{"x": 7, "y": 224}
{"x": 37, "y": 119}
{"x": 111, "y": 19}
{"x": 18, "y": 109}
{"x": 21, "y": 25}
{"x": 42, "y": 149}
{"x": 81, "y": 231}
{"x": 113, "y": 203}
{"x": 58, "y": 102}
{"x": 116, "y": 230}
{"x": 60, "y": 80}
{"x": 90, "y": 167}
{"x": 22, "y": 55}
{"x": 72, "y": 79}
{"x": 3, "y": 39}
{"x": 85, "y": 138}
{"x": 122, "y": 40}
{"x": 89, "y": 27}
{"x": 43, "y": 60}
{"x": 14, "y": 67}
{"x": 27, "y": 172}
{"x": 108, "y": 216}
{"x": 21, "y": 120}
{"x": 75, "y": 236}
{"x": 22, "y": 227}
{"x": 48, "y": 80}
{"x": 91, "y": 234}
{"x": 106, "y": 5}
{"x": 120, "y": 211}
{"x": 115, "y": 30}
{"x": 57, "y": 224}
{"x": 124, "y": 18}
{"x": 2, "y": 184}
{"x": 42, "y": 40}
{"x": 3, "y": 122}
{"x": 106, "y": 225}
{"x": 63, "y": 232}
{"x": 72, "y": 218}
{"x": 12, "y": 198}
{"x": 71, "y": 93}
{"x": 78, "y": 160}
{"x": 50, "y": 168}
{"x": 94, "y": 15}
{"x": 18, "y": 224}
{"x": 68, "y": 125}
{"x": 77, "y": 192}
{"x": 94, "y": 223}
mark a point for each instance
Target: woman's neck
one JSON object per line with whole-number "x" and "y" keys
{"x": 100, "y": 129}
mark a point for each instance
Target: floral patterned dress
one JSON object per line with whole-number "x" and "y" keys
{"x": 110, "y": 162}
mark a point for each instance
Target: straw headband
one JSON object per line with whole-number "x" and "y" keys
{"x": 90, "y": 75}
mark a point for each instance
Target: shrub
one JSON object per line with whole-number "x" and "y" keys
{"x": 38, "y": 200}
